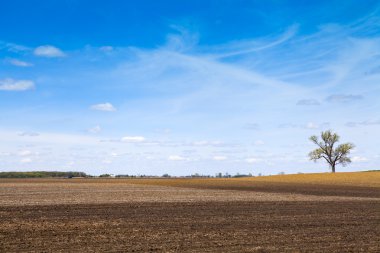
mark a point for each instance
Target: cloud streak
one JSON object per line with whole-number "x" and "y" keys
{"x": 247, "y": 47}
{"x": 48, "y": 51}
{"x": 105, "y": 107}
{"x": 363, "y": 123}
{"x": 308, "y": 102}
{"x": 16, "y": 85}
{"x": 340, "y": 98}
{"x": 133, "y": 139}
{"x": 20, "y": 63}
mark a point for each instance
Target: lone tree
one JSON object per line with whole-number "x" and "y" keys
{"x": 326, "y": 150}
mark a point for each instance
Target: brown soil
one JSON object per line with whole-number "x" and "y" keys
{"x": 193, "y": 227}
{"x": 314, "y": 189}
{"x": 116, "y": 216}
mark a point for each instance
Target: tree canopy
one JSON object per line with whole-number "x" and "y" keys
{"x": 326, "y": 150}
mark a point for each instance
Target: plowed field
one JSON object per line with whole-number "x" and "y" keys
{"x": 189, "y": 215}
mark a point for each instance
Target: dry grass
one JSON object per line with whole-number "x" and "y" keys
{"x": 355, "y": 179}
{"x": 358, "y": 184}
{"x": 311, "y": 187}
{"x": 365, "y": 179}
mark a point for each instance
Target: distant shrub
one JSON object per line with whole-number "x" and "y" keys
{"x": 105, "y": 175}
{"x": 122, "y": 176}
{"x": 242, "y": 175}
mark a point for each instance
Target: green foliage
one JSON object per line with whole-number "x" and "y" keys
{"x": 42, "y": 174}
{"x": 105, "y": 175}
{"x": 326, "y": 150}
{"x": 242, "y": 175}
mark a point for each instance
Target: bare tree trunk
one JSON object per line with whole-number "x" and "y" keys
{"x": 333, "y": 168}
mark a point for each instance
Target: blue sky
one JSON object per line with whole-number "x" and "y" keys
{"x": 182, "y": 87}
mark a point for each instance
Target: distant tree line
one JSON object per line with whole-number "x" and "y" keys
{"x": 72, "y": 174}
{"x": 42, "y": 174}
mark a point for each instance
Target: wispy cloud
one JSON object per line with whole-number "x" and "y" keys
{"x": 13, "y": 47}
{"x": 95, "y": 129}
{"x": 258, "y": 143}
{"x": 246, "y": 47}
{"x": 20, "y": 63}
{"x": 252, "y": 126}
{"x": 16, "y": 85}
{"x": 363, "y": 123}
{"x": 26, "y": 160}
{"x": 340, "y": 98}
{"x": 29, "y": 134}
{"x": 219, "y": 158}
{"x": 359, "y": 159}
{"x": 312, "y": 125}
{"x": 207, "y": 143}
{"x": 309, "y": 125}
{"x": 176, "y": 158}
{"x": 106, "y": 48}
{"x": 106, "y": 107}
{"x": 133, "y": 139}
{"x": 25, "y": 153}
{"x": 48, "y": 51}
{"x": 253, "y": 160}
{"x": 308, "y": 102}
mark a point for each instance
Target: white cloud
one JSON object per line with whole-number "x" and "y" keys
{"x": 133, "y": 139}
{"x": 176, "y": 158}
{"x": 48, "y": 51}
{"x": 12, "y": 47}
{"x": 30, "y": 134}
{"x": 49, "y": 138}
{"x": 340, "y": 98}
{"x": 113, "y": 154}
{"x": 26, "y": 160}
{"x": 106, "y": 107}
{"x": 252, "y": 126}
{"x": 259, "y": 143}
{"x": 19, "y": 63}
{"x": 363, "y": 123}
{"x": 200, "y": 143}
{"x": 163, "y": 131}
{"x": 219, "y": 158}
{"x": 308, "y": 102}
{"x": 359, "y": 159}
{"x": 25, "y": 153}
{"x": 247, "y": 47}
{"x": 207, "y": 143}
{"x": 106, "y": 48}
{"x": 252, "y": 160}
{"x": 95, "y": 130}
{"x": 309, "y": 125}
{"x": 312, "y": 125}
{"x": 16, "y": 85}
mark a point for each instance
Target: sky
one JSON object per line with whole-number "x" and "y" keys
{"x": 184, "y": 87}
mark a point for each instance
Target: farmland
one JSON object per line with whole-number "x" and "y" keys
{"x": 317, "y": 212}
